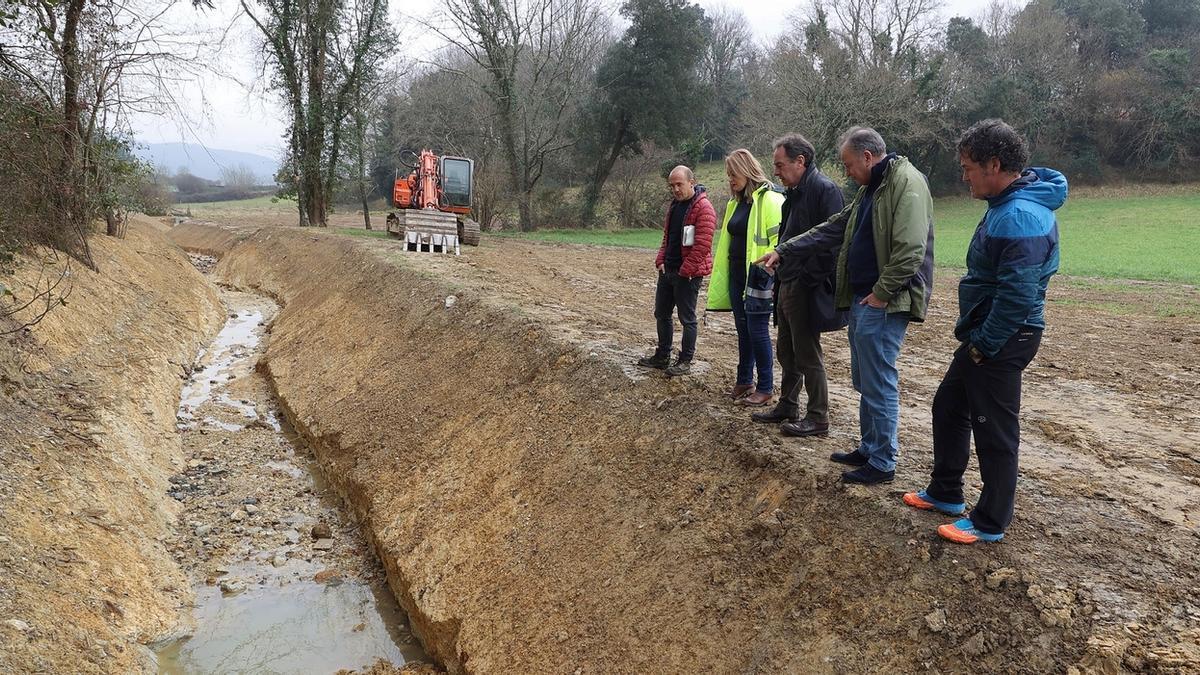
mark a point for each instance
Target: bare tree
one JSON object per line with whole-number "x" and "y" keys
{"x": 358, "y": 52}
{"x": 726, "y": 56}
{"x": 636, "y": 200}
{"x": 360, "y": 122}
{"x": 723, "y": 68}
{"x": 534, "y": 59}
{"x": 93, "y": 63}
{"x": 318, "y": 50}
{"x": 239, "y": 177}
{"x": 878, "y": 32}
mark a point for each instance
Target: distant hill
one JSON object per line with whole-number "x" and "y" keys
{"x": 206, "y": 162}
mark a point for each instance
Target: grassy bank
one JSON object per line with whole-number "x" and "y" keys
{"x": 1149, "y": 237}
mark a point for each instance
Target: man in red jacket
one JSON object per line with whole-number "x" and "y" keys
{"x": 684, "y": 259}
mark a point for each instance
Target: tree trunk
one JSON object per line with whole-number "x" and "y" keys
{"x": 508, "y": 140}
{"x": 73, "y": 189}
{"x": 72, "y": 106}
{"x": 603, "y": 170}
{"x": 314, "y": 132}
{"x": 525, "y": 208}
{"x": 363, "y": 169}
{"x": 297, "y": 175}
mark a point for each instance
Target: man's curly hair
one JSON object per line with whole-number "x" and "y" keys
{"x": 994, "y": 138}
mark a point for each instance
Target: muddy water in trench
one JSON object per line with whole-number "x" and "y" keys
{"x": 284, "y": 581}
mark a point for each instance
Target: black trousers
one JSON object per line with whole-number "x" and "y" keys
{"x": 799, "y": 351}
{"x": 676, "y": 293}
{"x": 985, "y": 400}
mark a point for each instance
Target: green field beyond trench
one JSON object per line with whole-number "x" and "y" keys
{"x": 1155, "y": 238}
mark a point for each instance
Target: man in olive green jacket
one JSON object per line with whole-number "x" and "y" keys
{"x": 884, "y": 277}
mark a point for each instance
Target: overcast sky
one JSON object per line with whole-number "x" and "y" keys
{"x": 234, "y": 113}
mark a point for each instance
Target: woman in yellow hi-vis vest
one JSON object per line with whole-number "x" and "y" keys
{"x": 749, "y": 230}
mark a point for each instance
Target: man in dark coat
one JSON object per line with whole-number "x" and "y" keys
{"x": 805, "y": 301}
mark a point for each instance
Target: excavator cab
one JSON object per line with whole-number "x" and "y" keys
{"x": 457, "y": 175}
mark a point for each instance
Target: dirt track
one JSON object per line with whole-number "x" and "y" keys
{"x": 540, "y": 506}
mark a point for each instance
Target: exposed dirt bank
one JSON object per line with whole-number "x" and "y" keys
{"x": 542, "y": 508}
{"x": 87, "y": 407}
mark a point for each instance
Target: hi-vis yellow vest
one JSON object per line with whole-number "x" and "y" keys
{"x": 762, "y": 235}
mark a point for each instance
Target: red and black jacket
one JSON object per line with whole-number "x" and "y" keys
{"x": 697, "y": 258}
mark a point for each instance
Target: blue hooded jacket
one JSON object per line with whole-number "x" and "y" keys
{"x": 1010, "y": 261}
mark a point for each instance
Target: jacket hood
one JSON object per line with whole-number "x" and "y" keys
{"x": 1045, "y": 187}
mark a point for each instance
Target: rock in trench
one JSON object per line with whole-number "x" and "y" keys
{"x": 976, "y": 645}
{"x": 936, "y": 620}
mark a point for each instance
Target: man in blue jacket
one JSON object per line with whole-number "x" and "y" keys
{"x": 1001, "y": 304}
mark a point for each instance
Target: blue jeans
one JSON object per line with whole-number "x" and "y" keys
{"x": 753, "y": 333}
{"x": 875, "y": 339}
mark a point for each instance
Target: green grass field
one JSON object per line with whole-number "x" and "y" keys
{"x": 257, "y": 204}
{"x": 1129, "y": 232}
{"x": 1154, "y": 238}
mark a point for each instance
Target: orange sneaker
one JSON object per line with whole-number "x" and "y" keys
{"x": 921, "y": 500}
{"x": 963, "y": 531}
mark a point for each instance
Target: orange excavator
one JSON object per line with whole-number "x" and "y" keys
{"x": 433, "y": 201}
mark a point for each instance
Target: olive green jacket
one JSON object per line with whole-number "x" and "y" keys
{"x": 902, "y": 219}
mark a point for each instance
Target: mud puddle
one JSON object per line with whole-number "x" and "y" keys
{"x": 284, "y": 581}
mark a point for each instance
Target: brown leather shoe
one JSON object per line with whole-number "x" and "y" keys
{"x": 805, "y": 427}
{"x": 740, "y": 390}
{"x": 758, "y": 398}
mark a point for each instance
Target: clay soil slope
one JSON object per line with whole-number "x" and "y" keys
{"x": 541, "y": 506}
{"x": 87, "y": 408}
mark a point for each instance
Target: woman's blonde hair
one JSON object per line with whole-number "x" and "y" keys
{"x": 742, "y": 163}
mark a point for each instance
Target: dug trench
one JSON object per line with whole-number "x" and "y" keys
{"x": 541, "y": 507}
{"x": 130, "y": 521}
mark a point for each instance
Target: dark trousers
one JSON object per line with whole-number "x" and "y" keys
{"x": 800, "y": 353}
{"x": 753, "y": 333}
{"x": 676, "y": 293}
{"x": 985, "y": 400}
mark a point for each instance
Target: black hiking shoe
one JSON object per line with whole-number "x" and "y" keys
{"x": 779, "y": 413}
{"x": 852, "y": 458}
{"x": 680, "y": 367}
{"x": 868, "y": 475}
{"x": 655, "y": 361}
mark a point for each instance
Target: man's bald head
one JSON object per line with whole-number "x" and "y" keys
{"x": 684, "y": 172}
{"x": 682, "y": 183}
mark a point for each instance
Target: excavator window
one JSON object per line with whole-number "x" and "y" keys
{"x": 456, "y": 181}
